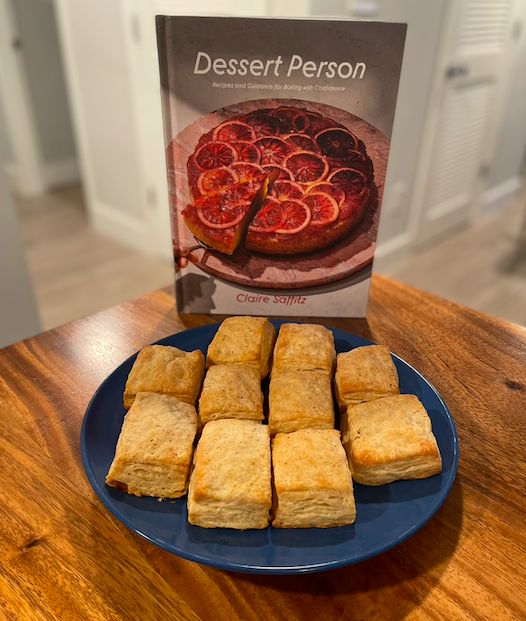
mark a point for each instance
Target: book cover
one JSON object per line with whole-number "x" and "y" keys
{"x": 277, "y": 141}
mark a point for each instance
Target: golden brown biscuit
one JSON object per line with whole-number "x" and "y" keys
{"x": 390, "y": 439}
{"x": 313, "y": 484}
{"x": 243, "y": 340}
{"x": 231, "y": 391}
{"x": 230, "y": 484}
{"x": 168, "y": 371}
{"x": 305, "y": 347}
{"x": 300, "y": 399}
{"x": 364, "y": 374}
{"x": 155, "y": 447}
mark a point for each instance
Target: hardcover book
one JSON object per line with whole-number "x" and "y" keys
{"x": 277, "y": 140}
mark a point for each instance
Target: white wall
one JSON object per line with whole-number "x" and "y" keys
{"x": 505, "y": 176}
{"x": 41, "y": 54}
{"x": 18, "y": 312}
{"x": 92, "y": 36}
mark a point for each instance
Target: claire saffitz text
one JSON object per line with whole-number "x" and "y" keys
{"x": 275, "y": 66}
{"x": 285, "y": 300}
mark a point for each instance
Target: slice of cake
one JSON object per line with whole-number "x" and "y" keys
{"x": 221, "y": 217}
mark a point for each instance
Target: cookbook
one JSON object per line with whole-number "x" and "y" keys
{"x": 277, "y": 136}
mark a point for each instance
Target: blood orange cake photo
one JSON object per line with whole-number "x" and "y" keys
{"x": 277, "y": 181}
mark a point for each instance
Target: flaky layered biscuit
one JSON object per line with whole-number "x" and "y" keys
{"x": 243, "y": 340}
{"x": 305, "y": 347}
{"x": 312, "y": 481}
{"x": 168, "y": 371}
{"x": 231, "y": 391}
{"x": 390, "y": 439}
{"x": 155, "y": 447}
{"x": 364, "y": 374}
{"x": 300, "y": 399}
{"x": 230, "y": 485}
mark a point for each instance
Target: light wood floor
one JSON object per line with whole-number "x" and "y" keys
{"x": 482, "y": 267}
{"x": 77, "y": 272}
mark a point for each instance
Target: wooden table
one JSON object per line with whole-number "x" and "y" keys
{"x": 63, "y": 555}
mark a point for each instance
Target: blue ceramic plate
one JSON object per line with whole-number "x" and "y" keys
{"x": 386, "y": 515}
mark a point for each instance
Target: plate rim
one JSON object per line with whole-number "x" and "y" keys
{"x": 264, "y": 569}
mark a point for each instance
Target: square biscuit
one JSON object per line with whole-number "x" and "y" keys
{"x": 231, "y": 391}
{"x": 364, "y": 374}
{"x": 300, "y": 399}
{"x": 230, "y": 485}
{"x": 312, "y": 481}
{"x": 390, "y": 439}
{"x": 167, "y": 371}
{"x": 305, "y": 347}
{"x": 155, "y": 446}
{"x": 243, "y": 340}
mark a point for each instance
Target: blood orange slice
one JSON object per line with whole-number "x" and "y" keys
{"x": 337, "y": 193}
{"x": 336, "y": 143}
{"x": 317, "y": 123}
{"x": 215, "y": 154}
{"x": 291, "y": 120}
{"x": 269, "y": 218}
{"x": 351, "y": 181}
{"x": 262, "y": 123}
{"x": 324, "y": 208}
{"x": 296, "y": 216}
{"x": 276, "y": 172}
{"x": 283, "y": 189}
{"x": 247, "y": 152}
{"x": 273, "y": 150}
{"x": 306, "y": 167}
{"x": 302, "y": 142}
{"x": 217, "y": 213}
{"x": 230, "y": 131}
{"x": 216, "y": 179}
{"x": 247, "y": 172}
{"x": 239, "y": 193}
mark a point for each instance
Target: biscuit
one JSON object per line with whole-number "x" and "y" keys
{"x": 231, "y": 391}
{"x": 364, "y": 374}
{"x": 155, "y": 447}
{"x": 300, "y": 399}
{"x": 390, "y": 439}
{"x": 312, "y": 481}
{"x": 243, "y": 340}
{"x": 167, "y": 371}
{"x": 230, "y": 485}
{"x": 305, "y": 347}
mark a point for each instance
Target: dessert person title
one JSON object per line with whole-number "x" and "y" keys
{"x": 256, "y": 67}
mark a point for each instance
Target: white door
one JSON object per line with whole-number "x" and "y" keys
{"x": 143, "y": 64}
{"x": 469, "y": 96}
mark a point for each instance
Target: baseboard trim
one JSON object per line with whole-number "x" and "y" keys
{"x": 497, "y": 197}
{"x": 391, "y": 252}
{"x": 59, "y": 173}
{"x": 123, "y": 228}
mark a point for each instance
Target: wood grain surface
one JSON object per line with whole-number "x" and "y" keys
{"x": 63, "y": 556}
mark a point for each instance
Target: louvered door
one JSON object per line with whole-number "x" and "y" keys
{"x": 465, "y": 127}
